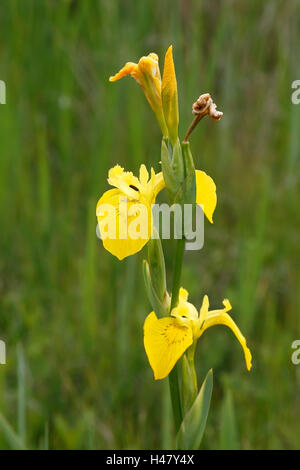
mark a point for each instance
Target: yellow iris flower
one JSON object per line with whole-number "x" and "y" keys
{"x": 166, "y": 339}
{"x": 147, "y": 74}
{"x": 124, "y": 214}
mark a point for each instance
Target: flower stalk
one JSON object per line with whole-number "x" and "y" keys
{"x": 173, "y": 377}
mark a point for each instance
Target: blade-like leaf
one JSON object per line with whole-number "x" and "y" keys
{"x": 177, "y": 162}
{"x": 193, "y": 425}
{"x": 12, "y": 438}
{"x": 228, "y": 433}
{"x": 189, "y": 383}
{"x": 157, "y": 267}
{"x": 155, "y": 302}
{"x": 172, "y": 183}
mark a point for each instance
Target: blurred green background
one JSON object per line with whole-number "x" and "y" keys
{"x": 71, "y": 315}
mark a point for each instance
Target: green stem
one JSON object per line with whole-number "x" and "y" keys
{"x": 173, "y": 376}
{"x": 175, "y": 397}
{"x": 177, "y": 271}
{"x": 190, "y": 354}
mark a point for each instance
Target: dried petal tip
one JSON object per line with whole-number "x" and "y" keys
{"x": 214, "y": 114}
{"x": 205, "y": 105}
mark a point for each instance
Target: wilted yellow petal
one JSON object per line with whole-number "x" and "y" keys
{"x": 170, "y": 96}
{"x": 165, "y": 341}
{"x": 129, "y": 68}
{"x": 206, "y": 193}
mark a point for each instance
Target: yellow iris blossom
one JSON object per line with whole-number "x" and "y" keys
{"x": 126, "y": 210}
{"x": 124, "y": 213}
{"x": 147, "y": 74}
{"x": 166, "y": 339}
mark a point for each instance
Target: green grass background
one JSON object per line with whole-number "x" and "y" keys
{"x": 71, "y": 315}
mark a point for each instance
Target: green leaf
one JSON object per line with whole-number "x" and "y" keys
{"x": 228, "y": 433}
{"x": 193, "y": 425}
{"x": 190, "y": 176}
{"x": 177, "y": 162}
{"x": 157, "y": 305}
{"x": 169, "y": 176}
{"x": 157, "y": 266}
{"x": 189, "y": 383}
{"x": 10, "y": 435}
{"x": 186, "y": 192}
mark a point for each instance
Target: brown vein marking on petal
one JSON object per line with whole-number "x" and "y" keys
{"x": 133, "y": 187}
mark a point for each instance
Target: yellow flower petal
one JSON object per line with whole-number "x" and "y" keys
{"x": 125, "y": 181}
{"x": 206, "y": 193}
{"x": 165, "y": 341}
{"x": 124, "y": 214}
{"x": 158, "y": 184}
{"x": 185, "y": 312}
{"x": 204, "y": 308}
{"x": 120, "y": 240}
{"x": 221, "y": 317}
{"x": 170, "y": 96}
{"x": 129, "y": 68}
{"x": 147, "y": 75}
{"x": 144, "y": 175}
{"x": 183, "y": 294}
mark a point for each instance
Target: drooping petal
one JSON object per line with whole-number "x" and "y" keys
{"x": 130, "y": 223}
{"x": 206, "y": 193}
{"x": 165, "y": 341}
{"x": 129, "y": 68}
{"x": 221, "y": 317}
{"x": 125, "y": 214}
{"x": 169, "y": 96}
